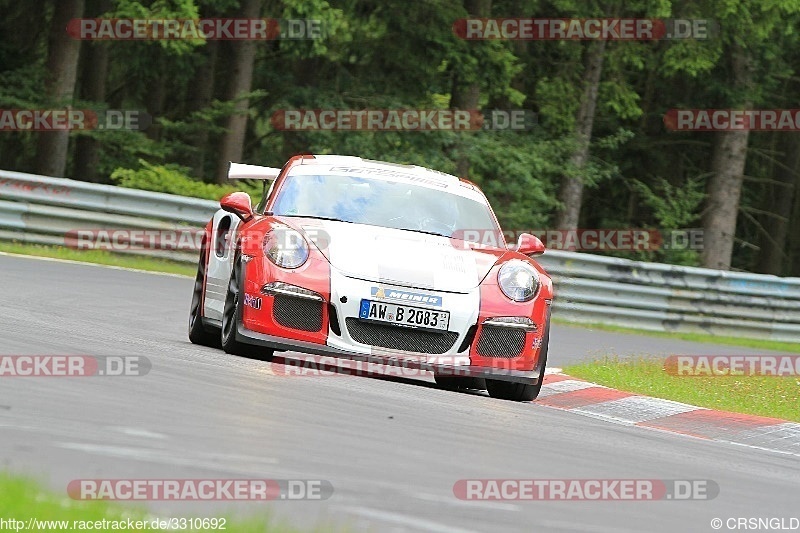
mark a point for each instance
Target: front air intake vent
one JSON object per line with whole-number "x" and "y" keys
{"x": 297, "y": 313}
{"x": 501, "y": 342}
{"x": 399, "y": 338}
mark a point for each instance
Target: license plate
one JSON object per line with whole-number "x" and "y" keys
{"x": 404, "y": 315}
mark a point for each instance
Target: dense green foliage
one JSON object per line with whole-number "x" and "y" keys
{"x": 174, "y": 179}
{"x": 388, "y": 54}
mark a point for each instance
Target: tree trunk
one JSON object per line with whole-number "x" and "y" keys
{"x": 725, "y": 185}
{"x": 201, "y": 93}
{"x": 467, "y": 96}
{"x": 778, "y": 201}
{"x": 793, "y": 244}
{"x": 61, "y": 70}
{"x": 155, "y": 100}
{"x": 94, "y": 75}
{"x": 244, "y": 56}
{"x": 571, "y": 191}
{"x": 463, "y": 97}
{"x": 724, "y": 192}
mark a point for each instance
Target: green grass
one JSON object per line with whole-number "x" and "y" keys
{"x": 100, "y": 257}
{"x": 22, "y": 499}
{"x": 777, "y": 397}
{"x": 764, "y": 344}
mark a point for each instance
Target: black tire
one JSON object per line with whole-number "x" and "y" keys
{"x": 199, "y": 333}
{"x": 231, "y": 316}
{"x": 521, "y": 392}
{"x": 459, "y": 383}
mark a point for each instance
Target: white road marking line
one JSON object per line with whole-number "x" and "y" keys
{"x": 212, "y": 461}
{"x": 86, "y": 263}
{"x": 573, "y": 526}
{"x": 417, "y": 523}
{"x": 785, "y": 437}
{"x": 452, "y": 500}
{"x": 754, "y": 447}
{"x": 138, "y": 432}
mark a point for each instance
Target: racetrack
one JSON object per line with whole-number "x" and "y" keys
{"x": 391, "y": 448}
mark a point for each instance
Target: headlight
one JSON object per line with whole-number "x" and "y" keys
{"x": 518, "y": 280}
{"x": 285, "y": 247}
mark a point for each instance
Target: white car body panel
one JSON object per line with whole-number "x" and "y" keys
{"x": 220, "y": 266}
{"x": 402, "y": 257}
{"x": 463, "y": 310}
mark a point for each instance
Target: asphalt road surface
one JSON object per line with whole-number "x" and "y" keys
{"x": 392, "y": 448}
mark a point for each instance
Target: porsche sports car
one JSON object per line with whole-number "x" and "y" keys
{"x": 377, "y": 262}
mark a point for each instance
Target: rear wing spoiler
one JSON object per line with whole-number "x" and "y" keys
{"x": 240, "y": 171}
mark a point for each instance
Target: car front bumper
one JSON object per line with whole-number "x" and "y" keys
{"x": 341, "y": 330}
{"x": 387, "y": 357}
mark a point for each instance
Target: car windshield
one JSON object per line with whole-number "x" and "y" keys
{"x": 390, "y": 204}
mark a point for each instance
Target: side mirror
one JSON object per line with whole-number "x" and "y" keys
{"x": 530, "y": 244}
{"x": 239, "y": 204}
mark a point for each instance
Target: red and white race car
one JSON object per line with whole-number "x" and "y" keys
{"x": 376, "y": 262}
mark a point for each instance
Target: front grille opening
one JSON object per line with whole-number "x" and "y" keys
{"x": 297, "y": 313}
{"x": 399, "y": 338}
{"x": 333, "y": 318}
{"x": 501, "y": 342}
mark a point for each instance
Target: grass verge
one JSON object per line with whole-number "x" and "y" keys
{"x": 100, "y": 257}
{"x": 764, "y": 344}
{"x": 777, "y": 397}
{"x": 24, "y": 499}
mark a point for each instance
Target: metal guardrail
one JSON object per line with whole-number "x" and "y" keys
{"x": 589, "y": 288}
{"x": 659, "y": 297}
{"x": 42, "y": 210}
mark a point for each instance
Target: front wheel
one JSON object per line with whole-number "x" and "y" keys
{"x": 231, "y": 318}
{"x": 521, "y": 392}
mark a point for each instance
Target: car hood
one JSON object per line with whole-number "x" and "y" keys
{"x": 400, "y": 257}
